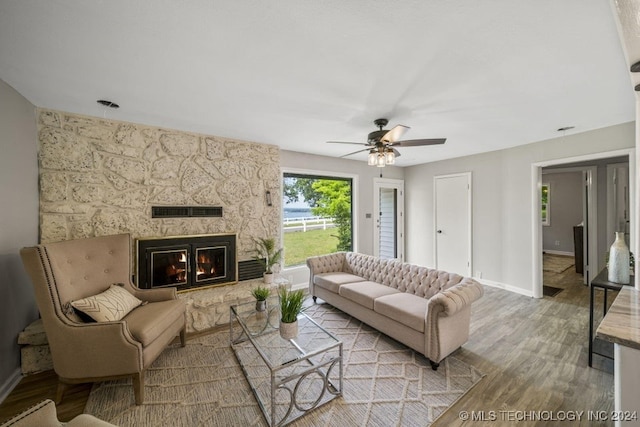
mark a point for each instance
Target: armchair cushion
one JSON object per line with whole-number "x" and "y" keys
{"x": 148, "y": 322}
{"x": 112, "y": 304}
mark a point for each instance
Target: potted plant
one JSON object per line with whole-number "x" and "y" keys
{"x": 290, "y": 307}
{"x": 268, "y": 256}
{"x": 261, "y": 293}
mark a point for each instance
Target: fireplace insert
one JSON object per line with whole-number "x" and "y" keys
{"x": 187, "y": 262}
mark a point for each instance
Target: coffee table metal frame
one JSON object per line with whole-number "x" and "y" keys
{"x": 288, "y": 382}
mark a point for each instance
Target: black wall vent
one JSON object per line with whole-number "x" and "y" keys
{"x": 248, "y": 270}
{"x": 186, "y": 211}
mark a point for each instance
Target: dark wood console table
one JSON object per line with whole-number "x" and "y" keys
{"x": 596, "y": 345}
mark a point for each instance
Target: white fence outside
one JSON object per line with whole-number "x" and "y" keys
{"x": 306, "y": 223}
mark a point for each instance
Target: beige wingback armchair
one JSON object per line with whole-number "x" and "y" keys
{"x": 82, "y": 351}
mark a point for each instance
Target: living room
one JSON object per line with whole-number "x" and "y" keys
{"x": 503, "y": 206}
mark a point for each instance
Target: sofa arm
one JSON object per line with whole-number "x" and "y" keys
{"x": 154, "y": 295}
{"x": 42, "y": 414}
{"x": 456, "y": 298}
{"x": 326, "y": 263}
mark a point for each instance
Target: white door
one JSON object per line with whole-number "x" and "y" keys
{"x": 388, "y": 202}
{"x": 618, "y": 218}
{"x": 453, "y": 223}
{"x": 387, "y": 223}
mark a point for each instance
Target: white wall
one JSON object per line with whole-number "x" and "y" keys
{"x": 364, "y": 202}
{"x": 18, "y": 226}
{"x": 502, "y": 208}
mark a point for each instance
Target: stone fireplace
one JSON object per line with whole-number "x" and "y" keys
{"x": 100, "y": 177}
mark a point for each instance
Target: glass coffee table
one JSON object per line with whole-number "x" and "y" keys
{"x": 288, "y": 377}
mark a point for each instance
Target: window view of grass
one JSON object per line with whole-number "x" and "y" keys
{"x": 317, "y": 216}
{"x": 299, "y": 246}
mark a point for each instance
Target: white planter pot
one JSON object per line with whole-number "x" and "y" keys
{"x": 268, "y": 278}
{"x": 288, "y": 330}
{"x": 619, "y": 261}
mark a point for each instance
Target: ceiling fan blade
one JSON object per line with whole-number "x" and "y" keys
{"x": 356, "y": 152}
{"x": 395, "y": 133}
{"x": 344, "y": 142}
{"x": 396, "y": 152}
{"x": 419, "y": 142}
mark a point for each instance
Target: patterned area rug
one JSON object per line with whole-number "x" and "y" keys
{"x": 557, "y": 263}
{"x": 385, "y": 384}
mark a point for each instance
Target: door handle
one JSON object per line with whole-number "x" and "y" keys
{"x": 439, "y": 231}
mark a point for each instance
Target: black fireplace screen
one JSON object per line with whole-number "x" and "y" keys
{"x": 169, "y": 267}
{"x": 210, "y": 263}
{"x": 187, "y": 262}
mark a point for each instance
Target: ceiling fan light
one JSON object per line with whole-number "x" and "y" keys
{"x": 372, "y": 158}
{"x": 390, "y": 157}
{"x": 380, "y": 160}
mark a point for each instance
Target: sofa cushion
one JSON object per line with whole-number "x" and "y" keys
{"x": 365, "y": 293}
{"x": 408, "y": 309}
{"x": 333, "y": 281}
{"x": 148, "y": 322}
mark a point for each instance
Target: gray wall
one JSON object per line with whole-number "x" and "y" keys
{"x": 566, "y": 210}
{"x": 18, "y": 225}
{"x": 502, "y": 201}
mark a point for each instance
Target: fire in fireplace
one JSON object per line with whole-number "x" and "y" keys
{"x": 187, "y": 262}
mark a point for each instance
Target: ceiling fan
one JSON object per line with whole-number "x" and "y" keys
{"x": 381, "y": 143}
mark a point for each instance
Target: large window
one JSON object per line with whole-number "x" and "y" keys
{"x": 317, "y": 217}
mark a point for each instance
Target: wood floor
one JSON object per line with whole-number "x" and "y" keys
{"x": 533, "y": 352}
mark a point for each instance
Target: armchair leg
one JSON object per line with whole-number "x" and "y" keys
{"x": 434, "y": 365}
{"x": 138, "y": 387}
{"x": 315, "y": 298}
{"x": 62, "y": 387}
{"x": 183, "y": 337}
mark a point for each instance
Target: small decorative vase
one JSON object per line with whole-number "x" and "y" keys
{"x": 619, "y": 261}
{"x": 289, "y": 330}
{"x": 268, "y": 278}
{"x": 261, "y": 305}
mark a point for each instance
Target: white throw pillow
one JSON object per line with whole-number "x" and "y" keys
{"x": 112, "y": 304}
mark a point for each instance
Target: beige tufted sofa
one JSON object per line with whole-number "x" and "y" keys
{"x": 425, "y": 309}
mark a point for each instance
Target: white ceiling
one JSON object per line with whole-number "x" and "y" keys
{"x": 484, "y": 74}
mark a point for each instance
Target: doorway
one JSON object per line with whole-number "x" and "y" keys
{"x": 595, "y": 236}
{"x": 452, "y": 203}
{"x": 569, "y": 201}
{"x": 388, "y": 200}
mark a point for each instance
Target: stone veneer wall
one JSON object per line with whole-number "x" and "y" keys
{"x": 101, "y": 177}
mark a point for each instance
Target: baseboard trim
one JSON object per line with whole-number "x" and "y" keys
{"x": 10, "y": 383}
{"x": 563, "y": 253}
{"x": 505, "y": 286}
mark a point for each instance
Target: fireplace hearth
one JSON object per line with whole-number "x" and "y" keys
{"x": 187, "y": 262}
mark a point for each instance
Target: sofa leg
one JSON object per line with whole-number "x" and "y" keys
{"x": 62, "y": 387}
{"x": 183, "y": 337}
{"x": 434, "y": 365}
{"x": 315, "y": 298}
{"x": 138, "y": 387}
